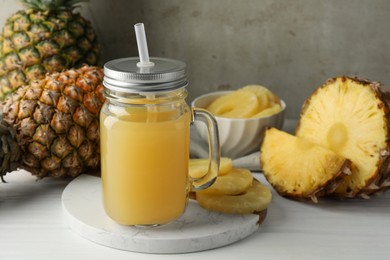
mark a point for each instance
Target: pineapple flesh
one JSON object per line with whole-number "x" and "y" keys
{"x": 300, "y": 169}
{"x": 236, "y": 181}
{"x": 199, "y": 167}
{"x": 46, "y": 37}
{"x": 265, "y": 97}
{"x": 254, "y": 200}
{"x": 351, "y": 117}
{"x": 251, "y": 101}
{"x": 54, "y": 122}
{"x": 238, "y": 104}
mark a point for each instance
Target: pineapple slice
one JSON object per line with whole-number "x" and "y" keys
{"x": 351, "y": 117}
{"x": 262, "y": 94}
{"x": 265, "y": 97}
{"x": 198, "y": 167}
{"x": 275, "y": 108}
{"x": 255, "y": 199}
{"x": 269, "y": 103}
{"x": 235, "y": 182}
{"x": 250, "y": 101}
{"x": 238, "y": 104}
{"x": 300, "y": 169}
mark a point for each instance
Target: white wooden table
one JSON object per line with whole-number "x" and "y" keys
{"x": 32, "y": 226}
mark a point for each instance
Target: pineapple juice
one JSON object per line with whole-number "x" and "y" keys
{"x": 145, "y": 164}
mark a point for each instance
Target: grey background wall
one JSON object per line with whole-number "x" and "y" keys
{"x": 292, "y": 47}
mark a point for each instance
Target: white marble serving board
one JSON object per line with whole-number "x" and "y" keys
{"x": 198, "y": 229}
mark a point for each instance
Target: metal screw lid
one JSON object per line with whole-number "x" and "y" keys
{"x": 123, "y": 75}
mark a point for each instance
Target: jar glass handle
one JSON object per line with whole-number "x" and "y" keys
{"x": 214, "y": 150}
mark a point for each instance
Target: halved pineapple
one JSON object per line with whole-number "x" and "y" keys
{"x": 238, "y": 104}
{"x": 198, "y": 167}
{"x": 351, "y": 117}
{"x": 255, "y": 199}
{"x": 233, "y": 183}
{"x": 298, "y": 168}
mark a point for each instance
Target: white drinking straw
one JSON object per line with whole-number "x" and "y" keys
{"x": 145, "y": 64}
{"x": 142, "y": 46}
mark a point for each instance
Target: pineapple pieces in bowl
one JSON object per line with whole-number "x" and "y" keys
{"x": 349, "y": 118}
{"x": 242, "y": 117}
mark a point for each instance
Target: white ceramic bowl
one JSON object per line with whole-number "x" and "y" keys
{"x": 238, "y": 137}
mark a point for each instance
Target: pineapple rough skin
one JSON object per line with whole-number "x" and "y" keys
{"x": 55, "y": 123}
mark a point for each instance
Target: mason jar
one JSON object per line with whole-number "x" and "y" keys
{"x": 145, "y": 139}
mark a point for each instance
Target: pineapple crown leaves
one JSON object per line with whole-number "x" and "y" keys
{"x": 48, "y": 5}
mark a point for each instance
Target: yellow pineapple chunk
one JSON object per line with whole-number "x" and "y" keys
{"x": 298, "y": 168}
{"x": 198, "y": 167}
{"x": 351, "y": 117}
{"x": 234, "y": 182}
{"x": 237, "y": 104}
{"x": 255, "y": 199}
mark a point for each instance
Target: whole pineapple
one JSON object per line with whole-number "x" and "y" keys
{"x": 46, "y": 37}
{"x": 51, "y": 126}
